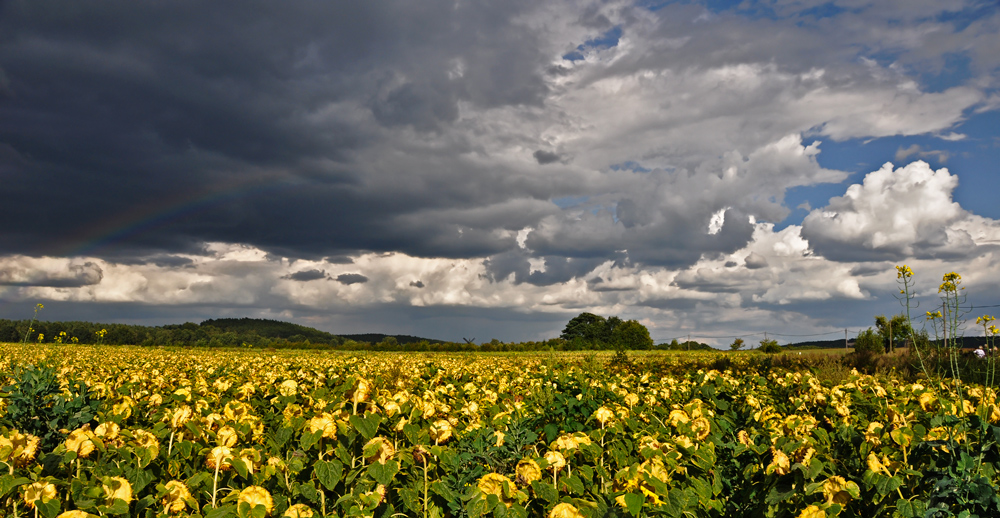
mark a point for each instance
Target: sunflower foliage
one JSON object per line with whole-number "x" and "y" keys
{"x": 37, "y": 403}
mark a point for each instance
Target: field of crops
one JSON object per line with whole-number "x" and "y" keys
{"x": 122, "y": 431}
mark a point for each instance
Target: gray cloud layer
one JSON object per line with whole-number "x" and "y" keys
{"x": 325, "y": 131}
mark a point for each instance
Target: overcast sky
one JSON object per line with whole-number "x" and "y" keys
{"x": 485, "y": 170}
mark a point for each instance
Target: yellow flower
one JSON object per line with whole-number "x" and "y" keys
{"x": 220, "y": 457}
{"x": 780, "y": 463}
{"x": 79, "y": 441}
{"x": 325, "y": 422}
{"x": 175, "y": 499}
{"x": 837, "y": 490}
{"x": 683, "y": 441}
{"x": 298, "y": 511}
{"x": 875, "y": 465}
{"x": 631, "y": 400}
{"x": 40, "y": 490}
{"x": 813, "y": 511}
{"x": 23, "y": 447}
{"x": 441, "y": 431}
{"x": 744, "y": 438}
{"x": 677, "y": 417}
{"x": 362, "y": 391}
{"x": 528, "y": 471}
{"x": 146, "y": 440}
{"x": 288, "y": 388}
{"x": 254, "y": 496}
{"x": 701, "y": 428}
{"x": 903, "y": 272}
{"x": 604, "y": 415}
{"x": 555, "y": 459}
{"x": 107, "y": 430}
{"x": 73, "y": 514}
{"x": 493, "y": 484}
{"x": 226, "y": 436}
{"x": 564, "y": 510}
{"x": 927, "y": 401}
{"x": 180, "y": 416}
{"x": 381, "y": 450}
{"x": 117, "y": 488}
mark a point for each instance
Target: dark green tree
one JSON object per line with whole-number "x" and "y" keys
{"x": 869, "y": 341}
{"x": 586, "y": 326}
{"x": 630, "y": 334}
{"x": 736, "y": 345}
{"x": 893, "y": 331}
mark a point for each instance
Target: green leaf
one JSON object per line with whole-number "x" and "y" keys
{"x": 308, "y": 440}
{"x": 545, "y": 491}
{"x": 702, "y": 489}
{"x": 308, "y": 490}
{"x": 444, "y": 491}
{"x": 367, "y": 425}
{"x": 8, "y": 482}
{"x": 239, "y": 466}
{"x": 572, "y": 483}
{"x": 328, "y": 473}
{"x": 51, "y": 508}
{"x": 633, "y": 502}
{"x": 383, "y": 473}
{"x": 221, "y": 512}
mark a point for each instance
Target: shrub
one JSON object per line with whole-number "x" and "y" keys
{"x": 869, "y": 341}
{"x": 37, "y": 405}
{"x": 769, "y": 346}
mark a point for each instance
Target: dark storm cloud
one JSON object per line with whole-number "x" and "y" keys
{"x": 546, "y": 157}
{"x": 75, "y": 276}
{"x": 755, "y": 261}
{"x": 351, "y": 278}
{"x": 306, "y": 275}
{"x": 209, "y": 122}
{"x": 556, "y": 269}
{"x": 417, "y": 284}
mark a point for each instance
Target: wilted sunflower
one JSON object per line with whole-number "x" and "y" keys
{"x": 441, "y": 431}
{"x": 117, "y": 488}
{"x": 379, "y": 449}
{"x": 298, "y": 511}
{"x": 325, "y": 422}
{"x": 555, "y": 459}
{"x": 220, "y": 458}
{"x": 23, "y": 447}
{"x": 79, "y": 441}
{"x": 780, "y": 463}
{"x": 838, "y": 490}
{"x": 256, "y": 495}
{"x": 146, "y": 440}
{"x": 180, "y": 416}
{"x": 528, "y": 471}
{"x": 813, "y": 511}
{"x": 176, "y": 498}
{"x": 564, "y": 510}
{"x": 494, "y": 484}
{"x": 73, "y": 514}
{"x": 226, "y": 436}
{"x": 604, "y": 415}
{"x": 40, "y": 490}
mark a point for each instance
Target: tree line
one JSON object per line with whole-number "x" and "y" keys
{"x": 584, "y": 332}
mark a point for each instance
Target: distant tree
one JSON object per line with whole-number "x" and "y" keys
{"x": 769, "y": 346}
{"x": 869, "y": 341}
{"x": 586, "y": 326}
{"x": 736, "y": 345}
{"x": 630, "y": 334}
{"x": 893, "y": 331}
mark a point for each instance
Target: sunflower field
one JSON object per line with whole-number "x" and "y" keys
{"x": 129, "y": 431}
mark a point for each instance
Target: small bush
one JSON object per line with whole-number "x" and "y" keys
{"x": 770, "y": 346}
{"x": 37, "y": 405}
{"x": 869, "y": 341}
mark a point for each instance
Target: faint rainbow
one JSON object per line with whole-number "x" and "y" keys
{"x": 147, "y": 217}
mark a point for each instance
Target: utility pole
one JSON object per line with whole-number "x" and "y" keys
{"x": 890, "y": 335}
{"x": 845, "y": 338}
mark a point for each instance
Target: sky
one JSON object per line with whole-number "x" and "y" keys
{"x": 466, "y": 169}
